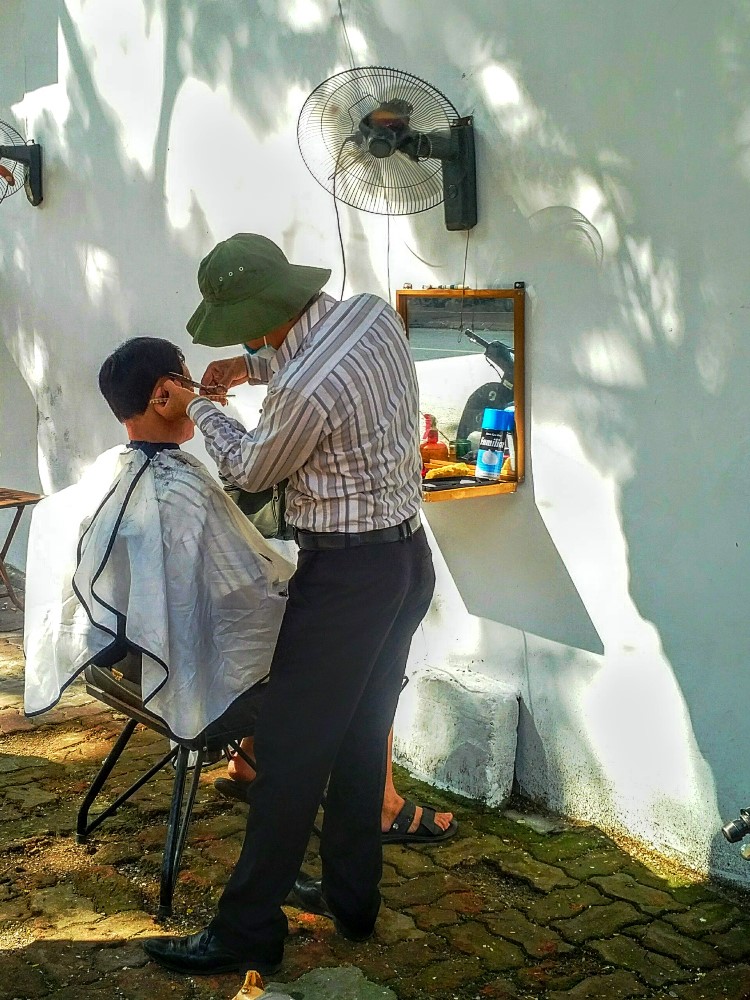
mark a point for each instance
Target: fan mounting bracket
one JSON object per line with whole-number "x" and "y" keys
{"x": 460, "y": 178}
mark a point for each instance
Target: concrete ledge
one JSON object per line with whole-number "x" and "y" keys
{"x": 457, "y": 730}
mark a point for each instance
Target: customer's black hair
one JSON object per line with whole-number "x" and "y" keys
{"x": 128, "y": 376}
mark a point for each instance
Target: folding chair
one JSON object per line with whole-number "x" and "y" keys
{"x": 119, "y": 686}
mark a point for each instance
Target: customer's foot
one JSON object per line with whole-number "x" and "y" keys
{"x": 202, "y": 954}
{"x": 239, "y": 769}
{"x": 307, "y": 895}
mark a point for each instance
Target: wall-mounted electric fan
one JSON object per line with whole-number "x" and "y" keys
{"x": 384, "y": 141}
{"x": 20, "y": 165}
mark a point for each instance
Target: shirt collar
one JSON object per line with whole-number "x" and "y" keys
{"x": 264, "y": 368}
{"x": 296, "y": 336}
{"x": 150, "y": 448}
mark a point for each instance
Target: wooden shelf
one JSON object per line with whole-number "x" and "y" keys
{"x": 467, "y": 492}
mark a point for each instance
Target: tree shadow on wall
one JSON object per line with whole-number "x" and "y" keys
{"x": 125, "y": 259}
{"x": 602, "y": 136}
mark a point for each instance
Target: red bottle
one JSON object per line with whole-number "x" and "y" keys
{"x": 429, "y": 423}
{"x": 433, "y": 448}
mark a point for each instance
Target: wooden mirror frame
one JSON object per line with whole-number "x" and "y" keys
{"x": 518, "y": 295}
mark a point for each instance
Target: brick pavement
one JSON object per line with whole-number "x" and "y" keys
{"x": 500, "y": 912}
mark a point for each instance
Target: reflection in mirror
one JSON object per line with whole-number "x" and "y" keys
{"x": 436, "y": 325}
{"x": 468, "y": 348}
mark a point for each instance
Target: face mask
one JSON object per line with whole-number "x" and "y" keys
{"x": 265, "y": 353}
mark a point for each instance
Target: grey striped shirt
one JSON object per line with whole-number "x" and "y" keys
{"x": 340, "y": 420}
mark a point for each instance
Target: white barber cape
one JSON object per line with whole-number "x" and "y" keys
{"x": 151, "y": 550}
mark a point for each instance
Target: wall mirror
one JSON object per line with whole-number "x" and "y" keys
{"x": 468, "y": 345}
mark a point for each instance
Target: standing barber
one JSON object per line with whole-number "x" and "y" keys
{"x": 341, "y": 422}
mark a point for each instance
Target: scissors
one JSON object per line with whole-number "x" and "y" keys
{"x": 214, "y": 391}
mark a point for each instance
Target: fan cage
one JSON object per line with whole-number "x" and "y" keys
{"x": 17, "y": 171}
{"x": 328, "y": 124}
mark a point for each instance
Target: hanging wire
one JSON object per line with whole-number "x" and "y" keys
{"x": 463, "y": 288}
{"x": 341, "y": 244}
{"x": 388, "y": 254}
{"x": 338, "y": 217}
{"x": 346, "y": 36}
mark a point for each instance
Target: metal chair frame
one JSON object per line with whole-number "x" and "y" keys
{"x": 181, "y": 805}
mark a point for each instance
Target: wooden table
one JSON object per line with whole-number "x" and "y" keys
{"x": 19, "y": 500}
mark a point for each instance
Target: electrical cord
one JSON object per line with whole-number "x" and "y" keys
{"x": 388, "y": 254}
{"x": 346, "y": 35}
{"x": 335, "y": 173}
{"x": 463, "y": 288}
{"x": 338, "y": 217}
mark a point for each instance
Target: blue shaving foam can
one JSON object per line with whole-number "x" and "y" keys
{"x": 496, "y": 425}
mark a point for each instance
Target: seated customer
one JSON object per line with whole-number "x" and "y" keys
{"x": 147, "y": 554}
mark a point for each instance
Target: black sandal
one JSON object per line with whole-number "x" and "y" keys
{"x": 427, "y": 832}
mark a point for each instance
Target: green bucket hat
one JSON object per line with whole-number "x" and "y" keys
{"x": 248, "y": 288}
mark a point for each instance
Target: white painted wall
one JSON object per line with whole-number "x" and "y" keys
{"x": 612, "y": 588}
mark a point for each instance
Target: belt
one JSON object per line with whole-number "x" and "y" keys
{"x": 351, "y": 539}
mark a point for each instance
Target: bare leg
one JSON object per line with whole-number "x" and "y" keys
{"x": 239, "y": 770}
{"x": 393, "y": 802}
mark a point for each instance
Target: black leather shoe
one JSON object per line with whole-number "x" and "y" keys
{"x": 202, "y": 954}
{"x": 307, "y": 895}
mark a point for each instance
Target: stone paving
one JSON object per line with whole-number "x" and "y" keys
{"x": 511, "y": 908}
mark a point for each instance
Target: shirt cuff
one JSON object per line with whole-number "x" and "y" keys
{"x": 200, "y": 407}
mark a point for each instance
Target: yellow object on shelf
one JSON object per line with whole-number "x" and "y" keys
{"x": 468, "y": 492}
{"x": 449, "y": 469}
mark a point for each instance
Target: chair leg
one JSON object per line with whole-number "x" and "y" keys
{"x": 177, "y": 827}
{"x": 83, "y": 826}
{"x": 180, "y": 810}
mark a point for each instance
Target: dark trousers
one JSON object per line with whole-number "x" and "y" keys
{"x": 330, "y": 702}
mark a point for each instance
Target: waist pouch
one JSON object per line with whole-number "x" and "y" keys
{"x": 265, "y": 509}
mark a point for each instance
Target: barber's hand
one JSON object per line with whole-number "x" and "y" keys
{"x": 176, "y": 398}
{"x": 224, "y": 374}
